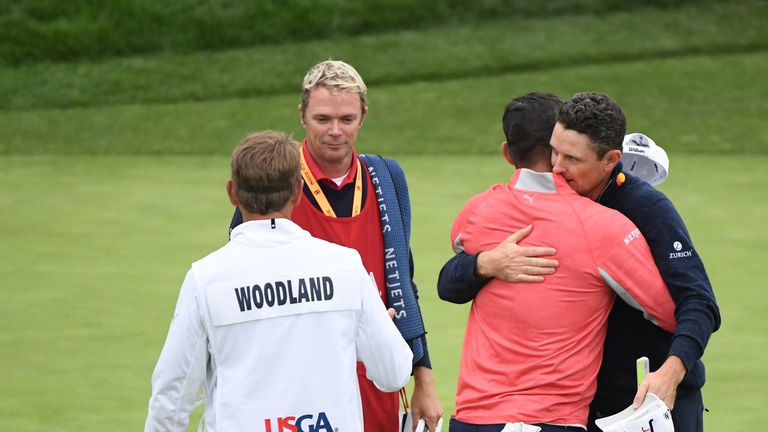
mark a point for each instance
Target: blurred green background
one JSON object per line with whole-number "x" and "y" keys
{"x": 118, "y": 120}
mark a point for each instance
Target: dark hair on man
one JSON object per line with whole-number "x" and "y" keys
{"x": 528, "y": 122}
{"x": 265, "y": 170}
{"x": 597, "y": 116}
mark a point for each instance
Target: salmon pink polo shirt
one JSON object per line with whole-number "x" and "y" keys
{"x": 532, "y": 351}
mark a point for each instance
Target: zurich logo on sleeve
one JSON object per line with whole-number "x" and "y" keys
{"x": 679, "y": 252}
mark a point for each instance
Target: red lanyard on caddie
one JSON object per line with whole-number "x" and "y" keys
{"x": 314, "y": 187}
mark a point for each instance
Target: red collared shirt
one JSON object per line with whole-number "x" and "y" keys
{"x": 321, "y": 176}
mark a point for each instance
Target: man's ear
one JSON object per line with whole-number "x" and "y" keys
{"x": 505, "y": 153}
{"x": 301, "y": 117}
{"x": 296, "y": 195}
{"x": 232, "y": 194}
{"x": 364, "y": 115}
{"x": 611, "y": 159}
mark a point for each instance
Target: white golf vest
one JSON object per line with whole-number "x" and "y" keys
{"x": 270, "y": 326}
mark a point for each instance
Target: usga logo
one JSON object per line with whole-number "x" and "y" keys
{"x": 304, "y": 423}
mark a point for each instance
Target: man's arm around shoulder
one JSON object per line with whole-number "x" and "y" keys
{"x": 462, "y": 276}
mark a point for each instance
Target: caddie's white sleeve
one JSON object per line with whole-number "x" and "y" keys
{"x": 180, "y": 371}
{"x": 381, "y": 348}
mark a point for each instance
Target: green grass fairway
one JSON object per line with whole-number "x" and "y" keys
{"x": 112, "y": 170}
{"x": 94, "y": 249}
{"x": 691, "y": 104}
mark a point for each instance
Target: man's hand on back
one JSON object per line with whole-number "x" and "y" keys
{"x": 511, "y": 262}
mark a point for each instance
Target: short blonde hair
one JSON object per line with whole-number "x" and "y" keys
{"x": 265, "y": 170}
{"x": 336, "y": 76}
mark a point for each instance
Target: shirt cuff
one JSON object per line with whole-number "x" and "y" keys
{"x": 424, "y": 360}
{"x": 686, "y": 348}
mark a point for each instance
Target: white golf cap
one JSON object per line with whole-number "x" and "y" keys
{"x": 644, "y": 159}
{"x": 652, "y": 415}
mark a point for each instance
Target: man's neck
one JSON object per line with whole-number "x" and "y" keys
{"x": 257, "y": 217}
{"x": 598, "y": 192}
{"x": 334, "y": 170}
{"x": 539, "y": 166}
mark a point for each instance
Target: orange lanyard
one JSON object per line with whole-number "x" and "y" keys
{"x": 314, "y": 187}
{"x": 404, "y": 400}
